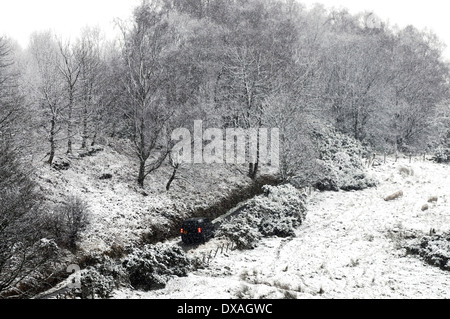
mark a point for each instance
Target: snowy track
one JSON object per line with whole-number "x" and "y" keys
{"x": 348, "y": 247}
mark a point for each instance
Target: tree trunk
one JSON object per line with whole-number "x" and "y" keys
{"x": 356, "y": 126}
{"x": 175, "y": 169}
{"x": 253, "y": 170}
{"x": 141, "y": 149}
{"x": 141, "y": 176}
{"x": 69, "y": 124}
{"x": 85, "y": 127}
{"x": 52, "y": 140}
{"x": 253, "y": 167}
{"x": 94, "y": 139}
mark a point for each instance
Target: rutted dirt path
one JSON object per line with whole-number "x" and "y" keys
{"x": 348, "y": 247}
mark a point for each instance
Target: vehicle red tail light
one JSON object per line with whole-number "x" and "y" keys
{"x": 199, "y": 230}
{"x": 182, "y": 230}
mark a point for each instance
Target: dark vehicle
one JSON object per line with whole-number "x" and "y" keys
{"x": 198, "y": 229}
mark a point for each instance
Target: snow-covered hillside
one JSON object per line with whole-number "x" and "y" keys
{"x": 349, "y": 246}
{"x": 120, "y": 212}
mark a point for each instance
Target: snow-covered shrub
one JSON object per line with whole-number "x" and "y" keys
{"x": 112, "y": 268}
{"x": 442, "y": 155}
{"x": 93, "y": 283}
{"x": 276, "y": 212}
{"x": 340, "y": 164}
{"x": 151, "y": 267}
{"x": 330, "y": 142}
{"x": 277, "y": 227}
{"x": 350, "y": 172}
{"x": 434, "y": 249}
{"x": 67, "y": 221}
{"x": 144, "y": 268}
{"x": 326, "y": 178}
{"x": 242, "y": 231}
{"x": 282, "y": 209}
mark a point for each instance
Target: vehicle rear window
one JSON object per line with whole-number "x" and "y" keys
{"x": 190, "y": 224}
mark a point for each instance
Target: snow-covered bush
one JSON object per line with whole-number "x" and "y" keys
{"x": 242, "y": 231}
{"x": 330, "y": 142}
{"x": 151, "y": 267}
{"x": 114, "y": 269}
{"x": 282, "y": 209}
{"x": 146, "y": 268}
{"x": 350, "y": 172}
{"x": 96, "y": 284}
{"x": 66, "y": 222}
{"x": 276, "y": 212}
{"x": 442, "y": 155}
{"x": 434, "y": 249}
{"x": 340, "y": 164}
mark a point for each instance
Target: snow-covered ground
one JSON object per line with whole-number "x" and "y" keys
{"x": 348, "y": 247}
{"x": 120, "y": 212}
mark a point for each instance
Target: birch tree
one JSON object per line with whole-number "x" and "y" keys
{"x": 91, "y": 80}
{"x": 46, "y": 86}
{"x": 144, "y": 45}
{"x": 70, "y": 68}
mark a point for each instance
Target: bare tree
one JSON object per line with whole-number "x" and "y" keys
{"x": 258, "y": 62}
{"x": 11, "y": 100}
{"x": 46, "y": 85}
{"x": 144, "y": 46}
{"x": 91, "y": 79}
{"x": 420, "y": 85}
{"x": 23, "y": 251}
{"x": 5, "y": 61}
{"x": 297, "y": 153}
{"x": 70, "y": 68}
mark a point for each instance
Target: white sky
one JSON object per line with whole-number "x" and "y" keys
{"x": 19, "y": 18}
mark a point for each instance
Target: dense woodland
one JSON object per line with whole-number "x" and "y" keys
{"x": 231, "y": 63}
